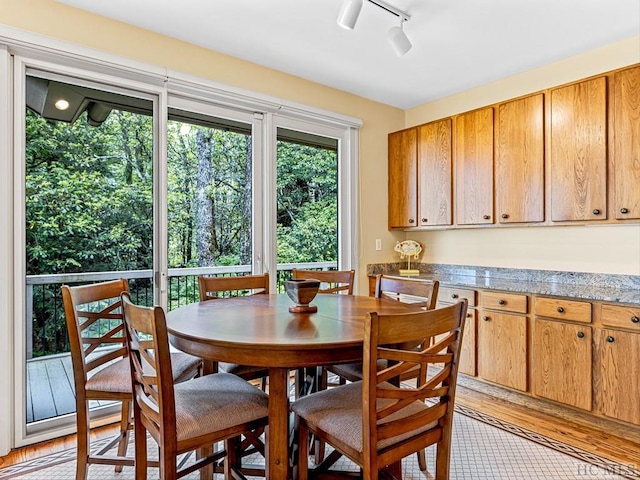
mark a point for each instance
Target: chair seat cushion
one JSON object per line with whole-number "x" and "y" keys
{"x": 338, "y": 412}
{"x": 116, "y": 376}
{"x": 246, "y": 372}
{"x": 353, "y": 371}
{"x": 215, "y": 402}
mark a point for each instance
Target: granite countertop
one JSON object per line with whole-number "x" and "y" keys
{"x": 604, "y": 287}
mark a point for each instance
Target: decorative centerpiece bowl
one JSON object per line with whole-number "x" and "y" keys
{"x": 302, "y": 292}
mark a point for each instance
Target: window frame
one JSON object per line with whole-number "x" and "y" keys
{"x": 20, "y": 50}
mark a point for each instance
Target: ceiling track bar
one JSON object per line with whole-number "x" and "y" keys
{"x": 385, "y": 6}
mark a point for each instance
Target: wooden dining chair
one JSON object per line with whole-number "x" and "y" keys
{"x": 421, "y": 292}
{"x": 101, "y": 366}
{"x": 331, "y": 281}
{"x": 213, "y": 287}
{"x": 189, "y": 416}
{"x": 380, "y": 421}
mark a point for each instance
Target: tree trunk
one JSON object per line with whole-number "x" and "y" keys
{"x": 245, "y": 233}
{"x": 205, "y": 210}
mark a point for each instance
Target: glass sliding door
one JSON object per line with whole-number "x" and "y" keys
{"x": 88, "y": 217}
{"x": 307, "y": 193}
{"x": 211, "y": 157}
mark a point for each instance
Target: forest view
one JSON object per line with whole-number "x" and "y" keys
{"x": 89, "y": 202}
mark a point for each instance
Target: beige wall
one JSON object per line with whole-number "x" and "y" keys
{"x": 567, "y": 248}
{"x": 601, "y": 249}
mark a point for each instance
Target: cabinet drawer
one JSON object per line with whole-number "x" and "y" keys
{"x": 453, "y": 294}
{"x": 562, "y": 309}
{"x": 507, "y": 302}
{"x": 621, "y": 317}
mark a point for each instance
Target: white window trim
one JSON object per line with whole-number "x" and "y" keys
{"x": 83, "y": 63}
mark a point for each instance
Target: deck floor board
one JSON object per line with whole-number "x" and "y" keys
{"x": 51, "y": 388}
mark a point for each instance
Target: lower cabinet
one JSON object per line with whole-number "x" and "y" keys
{"x": 468, "y": 350}
{"x": 561, "y": 362}
{"x": 502, "y": 349}
{"x": 617, "y": 370}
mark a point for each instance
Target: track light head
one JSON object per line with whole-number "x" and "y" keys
{"x": 399, "y": 40}
{"x": 349, "y": 13}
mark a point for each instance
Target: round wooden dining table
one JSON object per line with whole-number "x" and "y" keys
{"x": 259, "y": 330}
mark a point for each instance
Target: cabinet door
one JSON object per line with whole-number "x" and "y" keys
{"x": 468, "y": 350}
{"x": 403, "y": 184}
{"x": 474, "y": 167}
{"x": 579, "y": 151}
{"x": 626, "y": 143}
{"x": 434, "y": 173}
{"x": 617, "y": 366}
{"x": 562, "y": 362}
{"x": 520, "y": 160}
{"x": 502, "y": 349}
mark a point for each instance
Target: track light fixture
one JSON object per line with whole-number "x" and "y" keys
{"x": 350, "y": 12}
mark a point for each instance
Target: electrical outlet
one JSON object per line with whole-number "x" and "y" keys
{"x": 378, "y": 244}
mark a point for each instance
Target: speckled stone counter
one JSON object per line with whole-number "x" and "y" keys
{"x": 592, "y": 286}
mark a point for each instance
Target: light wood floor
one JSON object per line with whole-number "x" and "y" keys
{"x": 612, "y": 440}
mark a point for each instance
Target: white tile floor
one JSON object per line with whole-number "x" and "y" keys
{"x": 483, "y": 449}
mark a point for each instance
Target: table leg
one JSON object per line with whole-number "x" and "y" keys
{"x": 277, "y": 456}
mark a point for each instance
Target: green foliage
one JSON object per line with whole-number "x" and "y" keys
{"x": 89, "y": 204}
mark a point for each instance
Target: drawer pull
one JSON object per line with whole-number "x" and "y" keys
{"x": 505, "y": 215}
{"x": 468, "y": 315}
{"x": 624, "y": 210}
{"x": 454, "y": 295}
{"x": 424, "y": 220}
{"x": 411, "y": 220}
{"x": 486, "y": 217}
{"x": 596, "y": 211}
{"x": 580, "y": 334}
{"x": 485, "y": 318}
{"x": 501, "y": 302}
{"x": 610, "y": 339}
{"x": 560, "y": 310}
{"x": 635, "y": 319}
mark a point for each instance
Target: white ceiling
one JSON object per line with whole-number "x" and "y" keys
{"x": 457, "y": 44}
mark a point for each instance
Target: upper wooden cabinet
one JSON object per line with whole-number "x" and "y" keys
{"x": 579, "y": 151}
{"x": 567, "y": 154}
{"x": 403, "y": 184}
{"x": 434, "y": 173}
{"x": 474, "y": 167}
{"x": 520, "y": 160}
{"x": 625, "y": 152}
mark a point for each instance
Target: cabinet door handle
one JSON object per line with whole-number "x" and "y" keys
{"x": 560, "y": 310}
{"x": 485, "y": 318}
{"x": 635, "y": 319}
{"x": 501, "y": 302}
{"x": 486, "y": 217}
{"x": 454, "y": 295}
{"x": 411, "y": 220}
{"x": 580, "y": 334}
{"x": 610, "y": 339}
{"x": 596, "y": 211}
{"x": 624, "y": 210}
{"x": 424, "y": 220}
{"x": 505, "y": 215}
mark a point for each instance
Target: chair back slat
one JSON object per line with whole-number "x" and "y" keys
{"x": 148, "y": 343}
{"x": 408, "y": 290}
{"x": 331, "y": 281}
{"x": 392, "y": 409}
{"x": 210, "y": 287}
